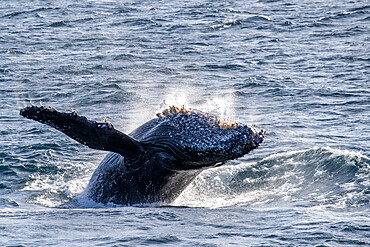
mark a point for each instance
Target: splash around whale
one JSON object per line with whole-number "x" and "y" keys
{"x": 160, "y": 158}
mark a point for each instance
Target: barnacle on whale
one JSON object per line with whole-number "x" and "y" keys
{"x": 227, "y": 124}
{"x": 173, "y": 110}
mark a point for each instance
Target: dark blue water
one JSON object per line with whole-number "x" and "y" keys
{"x": 298, "y": 69}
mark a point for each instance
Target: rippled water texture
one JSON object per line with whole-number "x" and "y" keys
{"x": 298, "y": 69}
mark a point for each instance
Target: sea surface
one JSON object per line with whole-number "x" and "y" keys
{"x": 298, "y": 69}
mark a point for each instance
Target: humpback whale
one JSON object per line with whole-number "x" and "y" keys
{"x": 159, "y": 159}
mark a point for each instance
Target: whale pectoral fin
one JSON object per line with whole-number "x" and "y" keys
{"x": 102, "y": 136}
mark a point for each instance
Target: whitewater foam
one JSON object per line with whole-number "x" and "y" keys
{"x": 321, "y": 176}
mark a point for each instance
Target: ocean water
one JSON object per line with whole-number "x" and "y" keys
{"x": 298, "y": 69}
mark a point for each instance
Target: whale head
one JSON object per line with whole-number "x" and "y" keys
{"x": 196, "y": 139}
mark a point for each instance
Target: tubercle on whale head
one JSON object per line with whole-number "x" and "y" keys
{"x": 257, "y": 137}
{"x": 252, "y": 138}
{"x": 261, "y": 136}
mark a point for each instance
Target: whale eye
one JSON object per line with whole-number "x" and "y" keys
{"x": 164, "y": 160}
{"x": 163, "y": 156}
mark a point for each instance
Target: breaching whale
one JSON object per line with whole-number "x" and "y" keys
{"x": 159, "y": 159}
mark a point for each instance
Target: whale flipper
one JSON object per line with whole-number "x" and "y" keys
{"x": 101, "y": 136}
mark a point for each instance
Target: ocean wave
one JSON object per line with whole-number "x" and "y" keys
{"x": 54, "y": 189}
{"x": 342, "y": 15}
{"x": 315, "y": 177}
{"x": 226, "y": 24}
{"x": 17, "y": 13}
{"x": 235, "y": 22}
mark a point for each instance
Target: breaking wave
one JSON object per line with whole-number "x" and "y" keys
{"x": 319, "y": 177}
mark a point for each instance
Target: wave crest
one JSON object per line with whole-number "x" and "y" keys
{"x": 320, "y": 177}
